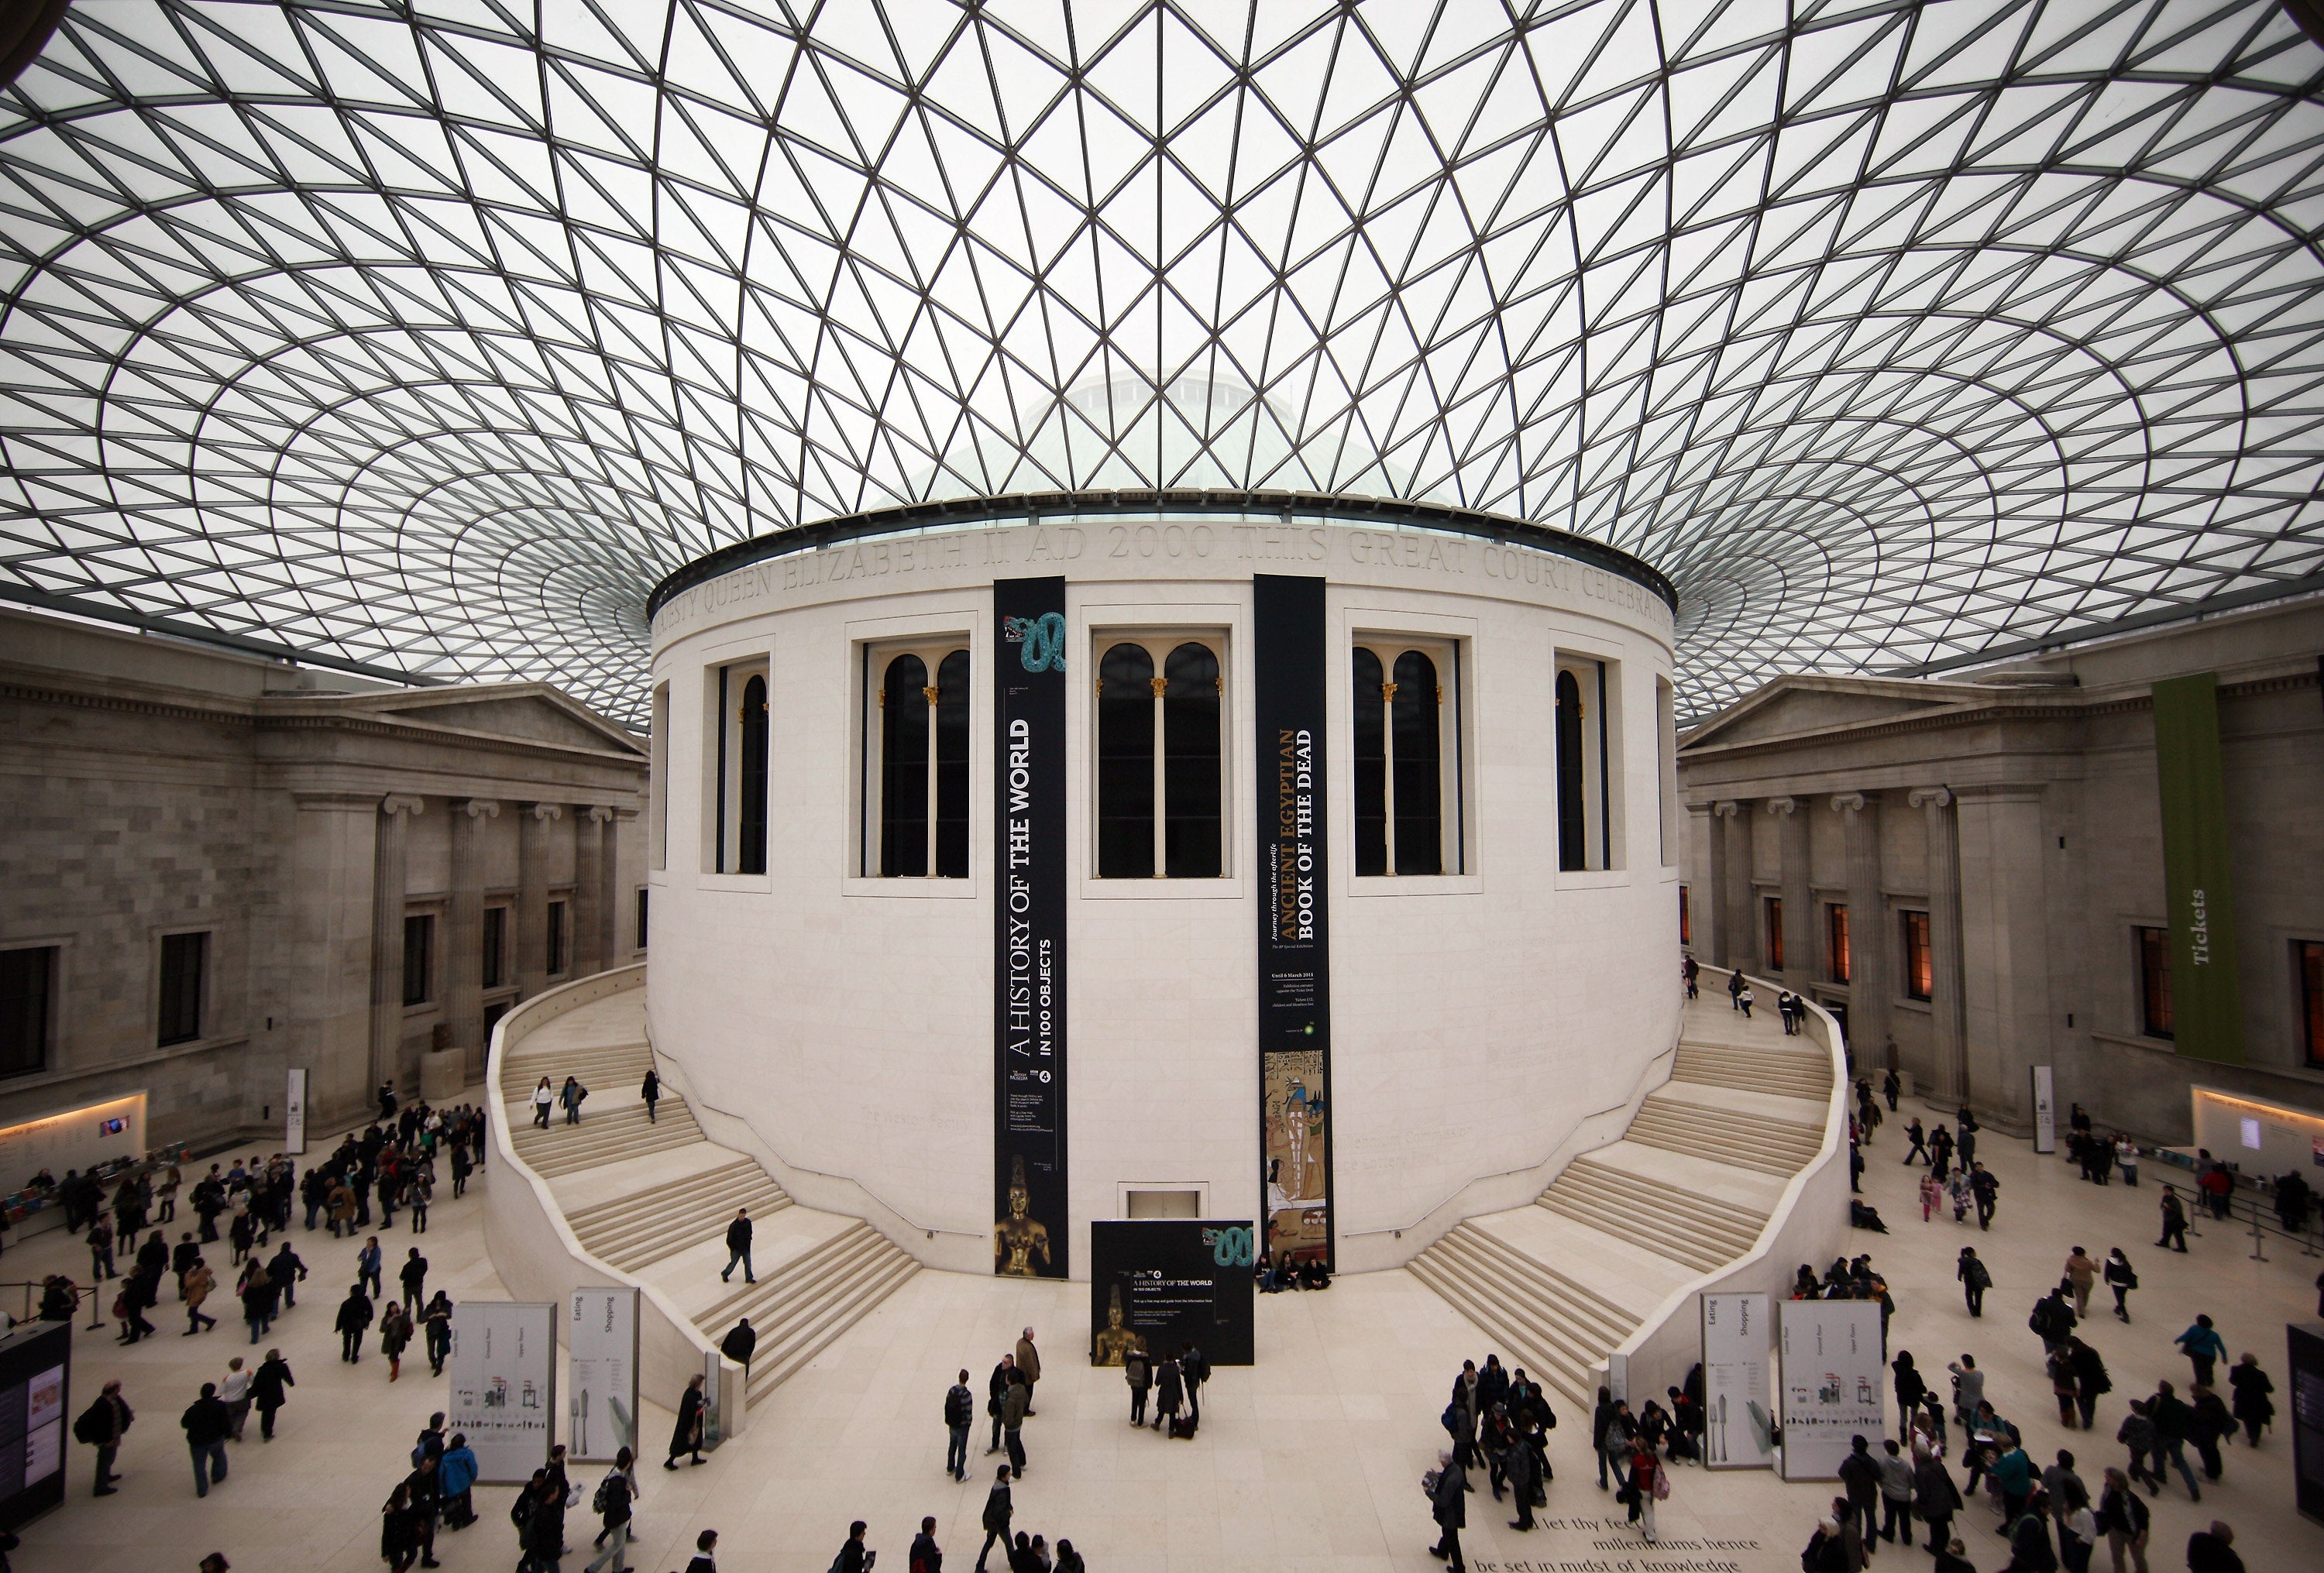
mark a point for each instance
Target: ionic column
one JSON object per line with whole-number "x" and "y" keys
{"x": 601, "y": 828}
{"x": 1799, "y": 893}
{"x": 1948, "y": 1027}
{"x": 1735, "y": 886}
{"x": 464, "y": 944}
{"x": 1703, "y": 879}
{"x": 1868, "y": 938}
{"x": 532, "y": 895}
{"x": 387, "y": 882}
{"x": 589, "y": 890}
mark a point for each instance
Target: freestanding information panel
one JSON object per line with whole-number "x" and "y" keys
{"x": 2307, "y": 1368}
{"x": 601, "y": 1340}
{"x": 1156, "y": 1284}
{"x": 1738, "y": 1407}
{"x": 33, "y": 1362}
{"x": 503, "y": 1372}
{"x": 1833, "y": 1386}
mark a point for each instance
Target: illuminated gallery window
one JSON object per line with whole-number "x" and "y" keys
{"x": 738, "y": 807}
{"x": 1773, "y": 907}
{"x": 1588, "y": 748}
{"x": 914, "y": 782}
{"x": 1920, "y": 975}
{"x": 1839, "y": 962}
{"x": 1160, "y": 756}
{"x": 2154, "y": 981}
{"x": 1404, "y": 711}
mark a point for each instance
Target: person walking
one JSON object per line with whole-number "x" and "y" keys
{"x": 413, "y": 1276}
{"x": 2203, "y": 1347}
{"x": 266, "y": 1390}
{"x": 740, "y": 1342}
{"x": 1169, "y": 1392}
{"x": 1911, "y": 1389}
{"x": 1649, "y": 1484}
{"x": 2082, "y": 1273}
{"x": 705, "y": 1553}
{"x": 1745, "y": 1000}
{"x": 436, "y": 1323}
{"x": 2172, "y": 1421}
{"x": 1014, "y": 1405}
{"x": 853, "y": 1556}
{"x": 614, "y": 1504}
{"x": 2123, "y": 1519}
{"x": 685, "y": 1436}
{"x": 2254, "y": 1409}
{"x": 102, "y": 1425}
{"x": 234, "y": 1394}
{"x": 1449, "y": 1504}
{"x": 354, "y": 1321}
{"x": 1935, "y": 1497}
{"x": 738, "y": 1247}
{"x": 1029, "y": 1366}
{"x": 1983, "y": 1186}
{"x": 995, "y": 1520}
{"x": 399, "y": 1530}
{"x": 926, "y": 1556}
{"x": 367, "y": 1268}
{"x": 651, "y": 1092}
{"x": 2091, "y": 1381}
{"x": 1137, "y": 1370}
{"x": 1919, "y": 1140}
{"x": 959, "y": 1414}
{"x": 206, "y": 1421}
{"x": 394, "y": 1336}
{"x": 544, "y": 1098}
{"x": 287, "y": 1272}
{"x": 1975, "y": 1280}
{"x": 456, "y": 1476}
{"x": 570, "y": 1095}
{"x": 1735, "y": 990}
{"x": 2174, "y": 1220}
{"x": 2212, "y": 1550}
{"x": 2052, "y": 1319}
{"x": 195, "y": 1288}
{"x": 2122, "y": 1278}
{"x": 100, "y": 1250}
{"x": 1520, "y": 1464}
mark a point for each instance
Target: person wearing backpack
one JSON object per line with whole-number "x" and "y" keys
{"x": 926, "y": 1556}
{"x": 2122, "y": 1278}
{"x": 959, "y": 1414}
{"x": 853, "y": 1557}
{"x": 615, "y": 1504}
{"x": 102, "y": 1425}
{"x": 1137, "y": 1370}
{"x": 455, "y": 1474}
{"x": 2052, "y": 1319}
{"x": 1975, "y": 1279}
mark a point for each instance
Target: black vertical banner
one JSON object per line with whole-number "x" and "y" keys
{"x": 1029, "y": 1238}
{"x": 1295, "y": 977}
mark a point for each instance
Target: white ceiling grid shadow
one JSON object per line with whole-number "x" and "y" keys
{"x": 430, "y": 335}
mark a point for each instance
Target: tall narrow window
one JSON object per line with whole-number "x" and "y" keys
{"x": 643, "y": 894}
{"x": 1685, "y": 919}
{"x": 1371, "y": 755}
{"x": 418, "y": 958}
{"x": 1572, "y": 800}
{"x": 750, "y": 811}
{"x": 1920, "y": 974}
{"x": 916, "y": 761}
{"x": 556, "y": 938}
{"x": 658, "y": 779}
{"x": 2310, "y": 957}
{"x": 904, "y": 770}
{"x": 2154, "y": 981}
{"x": 1125, "y": 764}
{"x": 1405, "y": 708}
{"x": 495, "y": 968}
{"x": 185, "y": 961}
{"x": 1191, "y": 693}
{"x": 1774, "y": 908}
{"x": 27, "y": 992}
{"x": 1840, "y": 963}
{"x": 1666, "y": 771}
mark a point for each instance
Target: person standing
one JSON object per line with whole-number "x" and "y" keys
{"x": 1649, "y": 1484}
{"x": 367, "y": 1268}
{"x": 100, "y": 1250}
{"x": 1975, "y": 1280}
{"x": 997, "y": 1511}
{"x": 1520, "y": 1464}
{"x": 959, "y": 1414}
{"x": 437, "y": 1322}
{"x": 206, "y": 1421}
{"x": 1896, "y": 1495}
{"x": 1029, "y": 1366}
{"x": 651, "y": 1092}
{"x": 1169, "y": 1392}
{"x": 2253, "y": 1406}
{"x": 2122, "y": 1278}
{"x": 1935, "y": 1497}
{"x": 996, "y": 1388}
{"x": 2174, "y": 1220}
{"x": 1137, "y": 1370}
{"x": 685, "y": 1436}
{"x": 266, "y": 1390}
{"x": 615, "y": 1503}
{"x": 394, "y": 1336}
{"x": 455, "y": 1475}
{"x": 1735, "y": 990}
{"x": 1911, "y": 1388}
{"x": 1194, "y": 1371}
{"x": 2081, "y": 1272}
{"x": 738, "y": 1247}
{"x": 926, "y": 1556}
{"x": 706, "y": 1550}
{"x": 2203, "y": 1347}
{"x": 2126, "y": 1158}
{"x": 102, "y": 1425}
{"x": 1014, "y": 1405}
{"x": 2213, "y": 1550}
{"x": 1449, "y": 1504}
{"x": 1891, "y": 1088}
{"x": 354, "y": 1321}
{"x": 1860, "y": 1473}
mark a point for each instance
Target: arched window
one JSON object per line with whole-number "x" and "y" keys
{"x": 916, "y": 763}
{"x": 750, "y": 811}
{"x": 1405, "y": 706}
{"x": 904, "y": 770}
{"x": 1160, "y": 760}
{"x": 1572, "y": 844}
{"x": 1126, "y": 695}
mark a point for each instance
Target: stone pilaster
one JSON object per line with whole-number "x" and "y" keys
{"x": 1735, "y": 948}
{"x": 1948, "y": 1029}
{"x": 588, "y": 890}
{"x": 1800, "y": 964}
{"x": 387, "y": 889}
{"x": 609, "y": 873}
{"x": 464, "y": 942}
{"x": 1701, "y": 833}
{"x": 532, "y": 895}
{"x": 334, "y": 841}
{"x": 1869, "y": 939}
{"x": 2005, "y": 943}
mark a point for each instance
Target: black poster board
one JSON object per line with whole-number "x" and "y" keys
{"x": 1295, "y": 952}
{"x": 1029, "y": 1238}
{"x": 1170, "y": 1280}
{"x": 2307, "y": 1395}
{"x": 35, "y": 1419}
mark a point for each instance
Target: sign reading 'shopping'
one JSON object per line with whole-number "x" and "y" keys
{"x": 1029, "y": 929}
{"x": 1295, "y": 973}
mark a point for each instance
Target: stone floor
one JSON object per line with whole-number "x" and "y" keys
{"x": 1307, "y": 1462}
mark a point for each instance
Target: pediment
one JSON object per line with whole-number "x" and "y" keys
{"x": 1793, "y": 706}
{"x": 532, "y": 712}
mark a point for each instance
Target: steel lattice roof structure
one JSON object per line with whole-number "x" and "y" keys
{"x": 428, "y": 336}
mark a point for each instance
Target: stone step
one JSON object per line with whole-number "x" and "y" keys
{"x": 1556, "y": 1329}
{"x": 1750, "y": 1073}
{"x": 1748, "y": 1141}
{"x": 849, "y": 1290}
{"x": 548, "y": 1156}
{"x": 1662, "y": 1219}
{"x": 657, "y": 1230}
{"x": 620, "y": 1208}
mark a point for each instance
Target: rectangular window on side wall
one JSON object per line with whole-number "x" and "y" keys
{"x": 2308, "y": 964}
{"x": 1408, "y": 756}
{"x": 496, "y": 942}
{"x": 28, "y": 989}
{"x": 1589, "y": 746}
{"x": 657, "y": 781}
{"x": 1840, "y": 963}
{"x": 1666, "y": 769}
{"x": 738, "y": 806}
{"x": 1685, "y": 919}
{"x": 556, "y": 938}
{"x": 418, "y": 958}
{"x": 1920, "y": 974}
{"x": 916, "y": 698}
{"x": 1161, "y": 760}
{"x": 2153, "y": 945}
{"x": 185, "y": 969}
{"x": 1773, "y": 908}
{"x": 643, "y": 894}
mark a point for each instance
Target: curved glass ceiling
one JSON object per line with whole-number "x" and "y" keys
{"x": 432, "y": 335}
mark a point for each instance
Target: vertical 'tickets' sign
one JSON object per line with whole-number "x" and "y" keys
{"x": 1295, "y": 977}
{"x": 2206, "y": 1004}
{"x": 1029, "y": 929}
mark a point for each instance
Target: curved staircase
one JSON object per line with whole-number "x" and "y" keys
{"x": 1689, "y": 1188}
{"x": 652, "y": 1199}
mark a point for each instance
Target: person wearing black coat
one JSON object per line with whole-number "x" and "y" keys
{"x": 1170, "y": 1392}
{"x": 685, "y": 1437}
{"x": 1450, "y": 1506}
{"x": 1911, "y": 1389}
{"x": 998, "y": 1509}
{"x": 354, "y": 1321}
{"x": 286, "y": 1269}
{"x": 1935, "y": 1498}
{"x": 1599, "y": 1420}
{"x": 206, "y": 1421}
{"x": 2252, "y": 1406}
{"x": 266, "y": 1394}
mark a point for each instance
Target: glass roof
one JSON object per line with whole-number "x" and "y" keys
{"x": 432, "y": 334}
